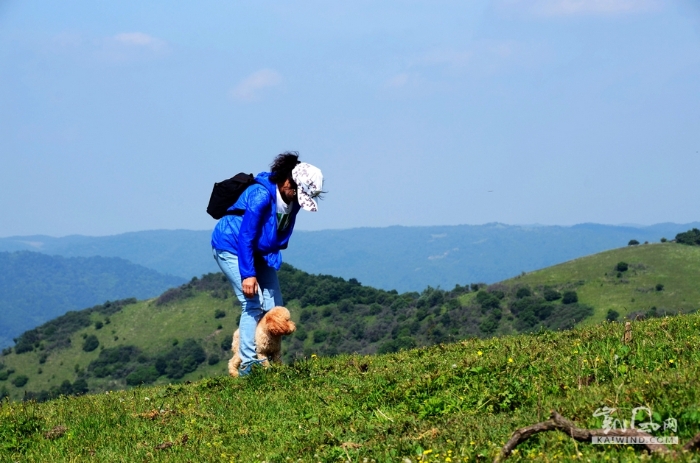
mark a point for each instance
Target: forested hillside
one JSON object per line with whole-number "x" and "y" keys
{"x": 185, "y": 333}
{"x": 37, "y": 287}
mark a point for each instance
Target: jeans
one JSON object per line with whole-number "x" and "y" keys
{"x": 252, "y": 309}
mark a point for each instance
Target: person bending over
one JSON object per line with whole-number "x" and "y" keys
{"x": 247, "y": 247}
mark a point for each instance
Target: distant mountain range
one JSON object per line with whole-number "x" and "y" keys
{"x": 35, "y": 288}
{"x": 401, "y": 258}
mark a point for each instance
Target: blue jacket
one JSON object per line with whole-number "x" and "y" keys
{"x": 253, "y": 236}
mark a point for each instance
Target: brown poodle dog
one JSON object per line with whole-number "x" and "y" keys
{"x": 268, "y": 338}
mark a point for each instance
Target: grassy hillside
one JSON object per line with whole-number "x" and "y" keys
{"x": 185, "y": 333}
{"x": 600, "y": 285}
{"x": 447, "y": 403}
{"x": 37, "y": 287}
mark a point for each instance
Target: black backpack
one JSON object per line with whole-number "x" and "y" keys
{"x": 226, "y": 193}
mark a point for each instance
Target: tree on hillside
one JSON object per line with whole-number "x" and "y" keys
{"x": 691, "y": 237}
{"x": 570, "y": 297}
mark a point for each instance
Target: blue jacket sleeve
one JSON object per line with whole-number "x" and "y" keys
{"x": 257, "y": 209}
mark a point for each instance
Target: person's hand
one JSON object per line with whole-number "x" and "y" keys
{"x": 250, "y": 287}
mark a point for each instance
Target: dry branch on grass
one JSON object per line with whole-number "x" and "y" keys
{"x": 556, "y": 422}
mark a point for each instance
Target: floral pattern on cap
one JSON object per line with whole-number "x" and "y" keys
{"x": 309, "y": 180}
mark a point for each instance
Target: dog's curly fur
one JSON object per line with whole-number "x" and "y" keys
{"x": 268, "y": 338}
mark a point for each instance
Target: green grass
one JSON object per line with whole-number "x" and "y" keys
{"x": 675, "y": 266}
{"x": 459, "y": 401}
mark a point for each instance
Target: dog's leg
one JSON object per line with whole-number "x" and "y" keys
{"x": 235, "y": 361}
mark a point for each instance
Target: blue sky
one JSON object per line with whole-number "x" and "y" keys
{"x": 119, "y": 116}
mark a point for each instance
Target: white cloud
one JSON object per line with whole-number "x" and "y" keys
{"x": 139, "y": 39}
{"x": 249, "y": 88}
{"x": 559, "y": 8}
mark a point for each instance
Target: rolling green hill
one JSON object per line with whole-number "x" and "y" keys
{"x": 635, "y": 291}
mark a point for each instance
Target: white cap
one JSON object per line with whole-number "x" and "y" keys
{"x": 309, "y": 180}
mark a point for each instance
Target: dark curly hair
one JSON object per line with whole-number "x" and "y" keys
{"x": 281, "y": 168}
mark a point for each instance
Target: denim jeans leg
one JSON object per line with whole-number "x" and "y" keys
{"x": 269, "y": 285}
{"x": 251, "y": 310}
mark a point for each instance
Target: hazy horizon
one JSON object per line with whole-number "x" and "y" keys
{"x": 626, "y": 225}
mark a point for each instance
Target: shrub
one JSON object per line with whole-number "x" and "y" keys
{"x": 213, "y": 359}
{"x": 691, "y": 237}
{"x": 114, "y": 362}
{"x": 551, "y": 294}
{"x": 307, "y": 315}
{"x": 663, "y": 240}
{"x": 523, "y": 292}
{"x": 91, "y": 343}
{"x": 567, "y": 316}
{"x": 4, "y": 374}
{"x": 80, "y": 386}
{"x": 20, "y": 380}
{"x": 345, "y": 306}
{"x": 622, "y": 266}
{"x": 396, "y": 345}
{"x": 570, "y": 297}
{"x": 487, "y": 300}
{"x": 490, "y": 324}
{"x": 612, "y": 315}
{"x": 421, "y": 313}
{"x": 219, "y": 313}
{"x": 633, "y": 243}
{"x": 300, "y": 334}
{"x": 142, "y": 375}
{"x": 320, "y": 336}
{"x": 659, "y": 287}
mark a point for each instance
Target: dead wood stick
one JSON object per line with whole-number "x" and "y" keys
{"x": 692, "y": 443}
{"x": 556, "y": 422}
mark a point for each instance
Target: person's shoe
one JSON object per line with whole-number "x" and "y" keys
{"x": 245, "y": 370}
